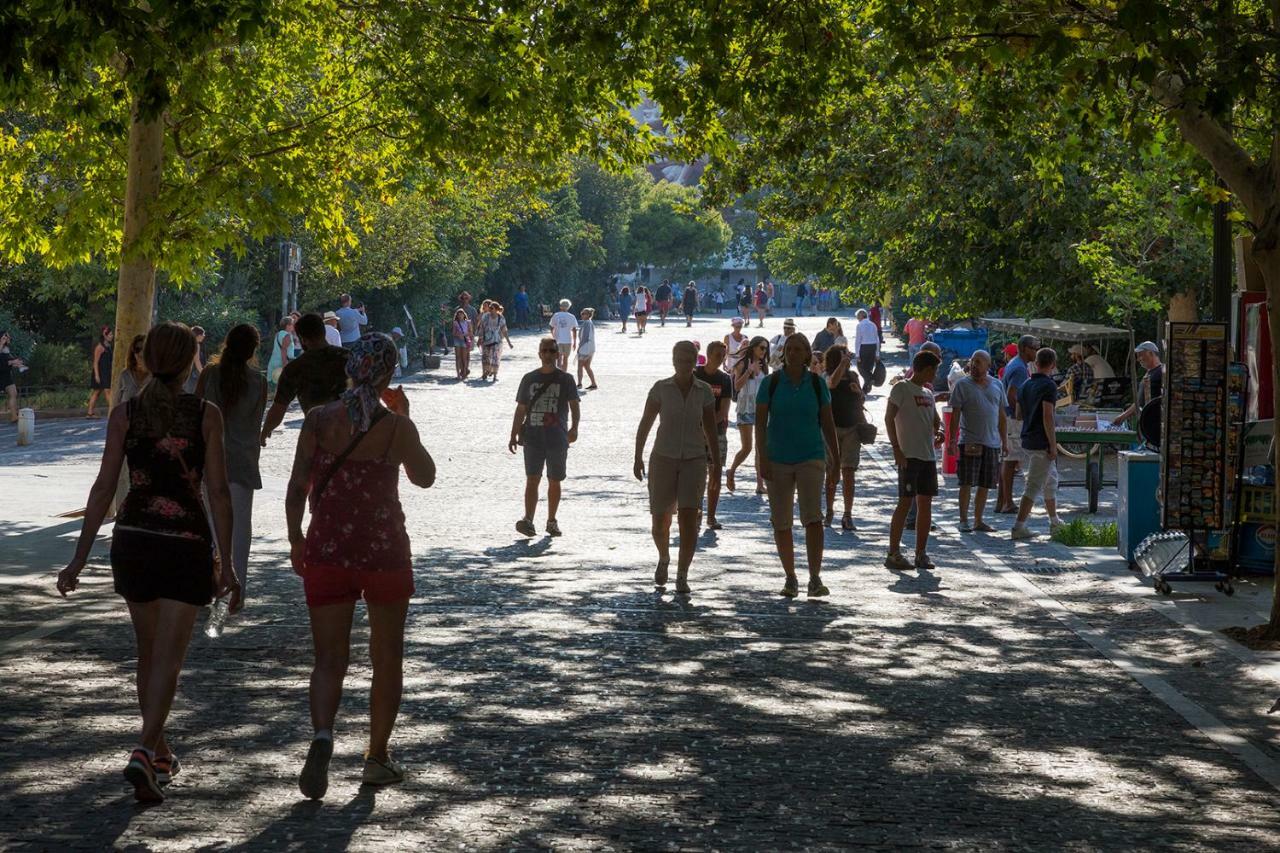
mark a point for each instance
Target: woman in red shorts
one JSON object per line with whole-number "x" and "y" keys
{"x": 348, "y": 463}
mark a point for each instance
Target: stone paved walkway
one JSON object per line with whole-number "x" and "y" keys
{"x": 553, "y": 700}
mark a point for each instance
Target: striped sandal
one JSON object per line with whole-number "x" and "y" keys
{"x": 142, "y": 775}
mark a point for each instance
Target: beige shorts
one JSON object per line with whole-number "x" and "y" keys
{"x": 1014, "y": 432}
{"x": 850, "y": 447}
{"x": 676, "y": 483}
{"x": 801, "y": 482}
{"x": 564, "y": 349}
{"x": 1042, "y": 476}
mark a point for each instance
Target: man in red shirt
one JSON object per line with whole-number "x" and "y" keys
{"x": 917, "y": 332}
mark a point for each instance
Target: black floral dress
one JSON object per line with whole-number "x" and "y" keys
{"x": 162, "y": 546}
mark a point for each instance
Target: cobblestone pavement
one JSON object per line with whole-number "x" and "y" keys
{"x": 553, "y": 700}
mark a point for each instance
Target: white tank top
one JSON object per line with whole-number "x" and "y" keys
{"x": 734, "y": 351}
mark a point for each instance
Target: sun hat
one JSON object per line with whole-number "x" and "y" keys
{"x": 329, "y": 315}
{"x": 736, "y": 321}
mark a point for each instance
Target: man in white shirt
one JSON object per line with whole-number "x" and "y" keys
{"x": 564, "y": 328}
{"x": 350, "y": 320}
{"x": 332, "y": 336}
{"x": 912, "y": 423}
{"x": 866, "y": 346}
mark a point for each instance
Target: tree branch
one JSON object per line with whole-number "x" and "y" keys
{"x": 1232, "y": 163}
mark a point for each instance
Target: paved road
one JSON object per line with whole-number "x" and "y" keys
{"x": 553, "y": 700}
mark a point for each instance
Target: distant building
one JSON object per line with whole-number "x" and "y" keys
{"x": 737, "y": 262}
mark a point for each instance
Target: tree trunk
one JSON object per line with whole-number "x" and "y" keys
{"x": 135, "y": 296}
{"x": 1184, "y": 308}
{"x": 1266, "y": 251}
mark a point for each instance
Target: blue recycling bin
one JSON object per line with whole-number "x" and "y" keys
{"x": 959, "y": 343}
{"x": 1137, "y": 507}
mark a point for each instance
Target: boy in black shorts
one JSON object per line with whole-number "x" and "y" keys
{"x": 914, "y": 429}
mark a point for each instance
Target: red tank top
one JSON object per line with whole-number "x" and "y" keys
{"x": 357, "y": 524}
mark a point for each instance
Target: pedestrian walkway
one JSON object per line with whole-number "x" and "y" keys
{"x": 1011, "y": 698}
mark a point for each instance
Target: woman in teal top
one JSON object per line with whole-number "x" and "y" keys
{"x": 280, "y": 349}
{"x": 796, "y": 435}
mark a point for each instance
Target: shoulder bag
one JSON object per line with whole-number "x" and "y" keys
{"x": 342, "y": 457}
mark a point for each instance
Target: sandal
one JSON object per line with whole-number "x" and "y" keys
{"x": 728, "y": 480}
{"x": 983, "y": 527}
{"x": 846, "y": 523}
{"x": 712, "y": 524}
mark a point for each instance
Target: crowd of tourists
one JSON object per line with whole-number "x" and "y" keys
{"x": 185, "y": 436}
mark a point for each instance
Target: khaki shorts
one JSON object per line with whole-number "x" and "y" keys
{"x": 676, "y": 483}
{"x": 1016, "y": 453}
{"x": 1042, "y": 476}
{"x": 804, "y": 482}
{"x": 564, "y": 349}
{"x": 850, "y": 447}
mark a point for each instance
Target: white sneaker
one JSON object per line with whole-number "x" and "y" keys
{"x": 1021, "y": 531}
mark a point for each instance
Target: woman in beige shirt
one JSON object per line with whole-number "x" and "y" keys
{"x": 678, "y": 464}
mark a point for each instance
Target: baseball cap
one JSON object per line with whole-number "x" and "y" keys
{"x": 736, "y": 321}
{"x": 1147, "y": 346}
{"x": 397, "y": 331}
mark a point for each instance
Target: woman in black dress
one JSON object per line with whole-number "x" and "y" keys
{"x": 100, "y": 380}
{"x": 8, "y": 364}
{"x": 162, "y": 546}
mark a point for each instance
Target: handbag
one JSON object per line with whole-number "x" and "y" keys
{"x": 529, "y": 413}
{"x": 866, "y": 433}
{"x": 878, "y": 374}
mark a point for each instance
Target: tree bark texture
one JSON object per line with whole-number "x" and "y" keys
{"x": 136, "y": 290}
{"x": 1183, "y": 307}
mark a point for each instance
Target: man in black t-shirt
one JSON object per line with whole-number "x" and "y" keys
{"x": 1152, "y": 385}
{"x": 316, "y": 377}
{"x": 1037, "y": 399}
{"x": 722, "y": 389}
{"x": 662, "y": 295}
{"x": 547, "y": 397}
{"x": 847, "y": 402}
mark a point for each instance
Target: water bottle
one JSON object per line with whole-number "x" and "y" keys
{"x": 217, "y": 618}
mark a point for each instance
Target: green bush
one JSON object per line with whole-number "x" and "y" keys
{"x": 54, "y": 365}
{"x": 64, "y": 398}
{"x": 1081, "y": 533}
{"x": 216, "y": 313}
{"x": 23, "y": 340}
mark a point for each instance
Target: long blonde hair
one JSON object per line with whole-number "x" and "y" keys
{"x": 168, "y": 353}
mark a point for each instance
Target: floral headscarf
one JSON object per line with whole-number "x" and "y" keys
{"x": 371, "y": 364}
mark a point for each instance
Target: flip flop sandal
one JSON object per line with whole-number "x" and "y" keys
{"x": 983, "y": 527}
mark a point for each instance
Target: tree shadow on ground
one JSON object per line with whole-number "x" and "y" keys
{"x": 540, "y": 711}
